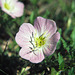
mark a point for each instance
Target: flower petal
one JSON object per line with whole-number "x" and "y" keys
{"x": 6, "y": 11}
{"x": 52, "y": 44}
{"x": 49, "y": 50}
{"x": 22, "y": 39}
{"x": 55, "y": 38}
{"x": 25, "y": 52}
{"x": 34, "y": 57}
{"x": 10, "y": 2}
{"x": 0, "y": 3}
{"x": 24, "y": 34}
{"x": 39, "y": 23}
{"x": 18, "y": 10}
{"x": 27, "y": 27}
{"x": 45, "y": 25}
{"x": 37, "y": 56}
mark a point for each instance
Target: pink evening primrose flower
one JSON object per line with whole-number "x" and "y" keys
{"x": 14, "y": 8}
{"x": 38, "y": 40}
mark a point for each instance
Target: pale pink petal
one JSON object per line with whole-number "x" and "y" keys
{"x": 10, "y": 2}
{"x": 52, "y": 44}
{"x": 37, "y": 56}
{"x": 22, "y": 39}
{"x": 39, "y": 23}
{"x": 25, "y": 52}
{"x": 5, "y": 10}
{"x": 18, "y": 10}
{"x": 24, "y": 34}
{"x": 49, "y": 50}
{"x": 34, "y": 57}
{"x": 45, "y": 25}
{"x": 13, "y": 0}
{"x": 27, "y": 27}
{"x": 51, "y": 27}
{"x": 55, "y": 38}
{"x": 8, "y": 13}
{"x": 0, "y": 3}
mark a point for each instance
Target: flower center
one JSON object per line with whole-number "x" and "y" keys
{"x": 39, "y": 41}
{"x": 6, "y": 6}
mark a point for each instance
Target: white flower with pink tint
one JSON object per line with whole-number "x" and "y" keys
{"x": 14, "y": 8}
{"x": 38, "y": 40}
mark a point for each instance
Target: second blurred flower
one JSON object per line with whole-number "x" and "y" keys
{"x": 14, "y": 8}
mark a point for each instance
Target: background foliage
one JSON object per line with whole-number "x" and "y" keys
{"x": 62, "y": 62}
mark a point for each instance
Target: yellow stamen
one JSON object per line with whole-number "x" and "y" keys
{"x": 40, "y": 41}
{"x": 6, "y": 6}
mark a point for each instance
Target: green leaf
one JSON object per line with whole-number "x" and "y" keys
{"x": 34, "y": 2}
{"x": 65, "y": 44}
{"x": 23, "y": 71}
{"x": 1, "y": 50}
{"x": 58, "y": 45}
{"x": 46, "y": 14}
{"x": 1, "y": 71}
{"x": 59, "y": 42}
{"x": 59, "y": 72}
{"x": 60, "y": 59}
{"x": 62, "y": 4}
{"x": 53, "y": 71}
{"x": 32, "y": 17}
{"x": 8, "y": 31}
{"x": 73, "y": 36}
{"x": 60, "y": 31}
{"x": 73, "y": 6}
{"x": 71, "y": 72}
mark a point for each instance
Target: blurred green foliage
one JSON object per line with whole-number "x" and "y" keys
{"x": 62, "y": 62}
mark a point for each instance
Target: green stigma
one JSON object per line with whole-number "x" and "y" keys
{"x": 6, "y": 6}
{"x": 40, "y": 41}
